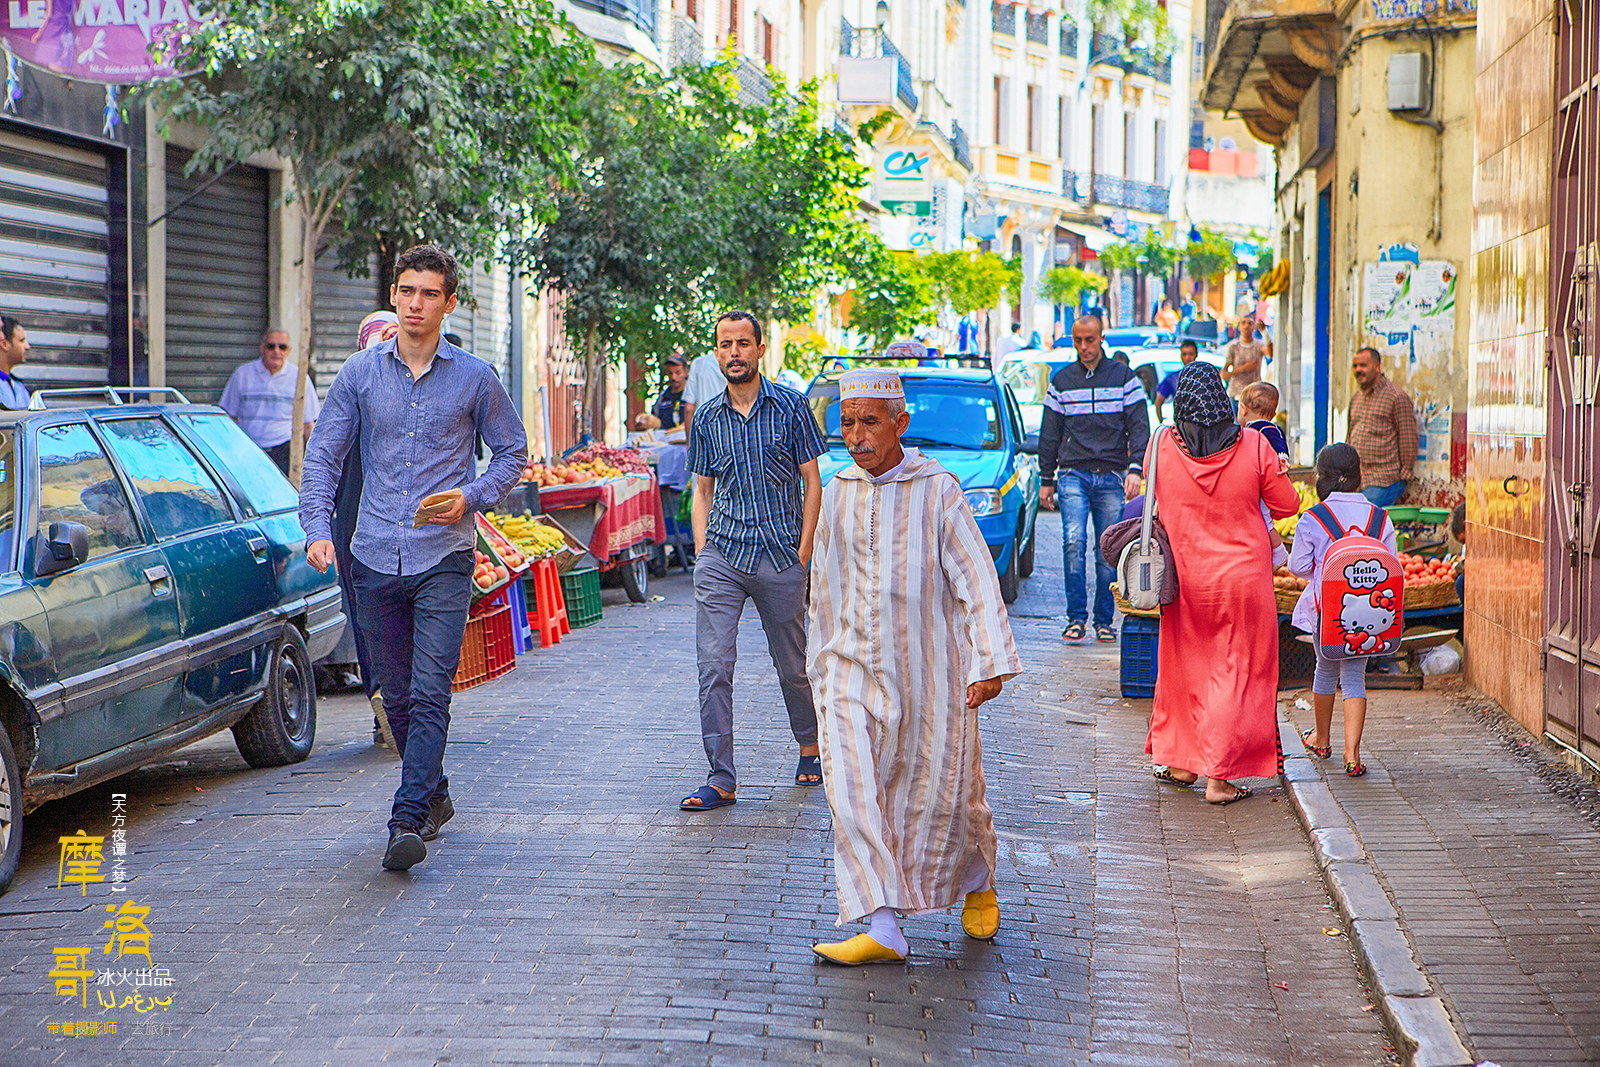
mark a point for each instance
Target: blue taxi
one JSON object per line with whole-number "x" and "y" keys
{"x": 968, "y": 420}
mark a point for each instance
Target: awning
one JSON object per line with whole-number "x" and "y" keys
{"x": 1094, "y": 238}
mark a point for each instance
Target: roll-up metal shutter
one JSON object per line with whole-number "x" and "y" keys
{"x": 485, "y": 325}
{"x": 217, "y": 276}
{"x": 55, "y": 262}
{"x": 338, "y": 304}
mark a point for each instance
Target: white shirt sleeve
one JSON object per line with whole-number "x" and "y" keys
{"x": 706, "y": 380}
{"x": 313, "y": 406}
{"x": 231, "y": 401}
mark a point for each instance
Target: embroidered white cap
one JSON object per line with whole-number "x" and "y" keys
{"x": 870, "y": 383}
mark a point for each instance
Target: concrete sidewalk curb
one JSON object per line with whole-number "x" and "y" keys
{"x": 1416, "y": 1016}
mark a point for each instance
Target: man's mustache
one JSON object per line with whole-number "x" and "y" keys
{"x": 863, "y": 450}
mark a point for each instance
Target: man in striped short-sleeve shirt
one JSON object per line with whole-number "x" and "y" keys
{"x": 753, "y": 451}
{"x": 1091, "y": 451}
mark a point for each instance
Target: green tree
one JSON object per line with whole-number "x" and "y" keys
{"x": 1209, "y": 257}
{"x": 891, "y": 292}
{"x": 445, "y": 122}
{"x": 688, "y": 202}
{"x": 1065, "y": 285}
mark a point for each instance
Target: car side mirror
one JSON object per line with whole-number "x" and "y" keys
{"x": 66, "y": 546}
{"x": 1030, "y": 444}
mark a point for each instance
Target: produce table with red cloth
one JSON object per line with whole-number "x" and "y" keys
{"x": 629, "y": 511}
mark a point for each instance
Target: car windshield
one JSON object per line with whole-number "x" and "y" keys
{"x": 944, "y": 413}
{"x": 1030, "y": 381}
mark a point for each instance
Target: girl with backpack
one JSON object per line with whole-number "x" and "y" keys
{"x": 1353, "y": 610}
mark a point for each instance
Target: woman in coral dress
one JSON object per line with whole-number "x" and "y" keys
{"x": 1215, "y": 712}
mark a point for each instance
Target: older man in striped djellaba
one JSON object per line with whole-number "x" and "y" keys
{"x": 908, "y": 636}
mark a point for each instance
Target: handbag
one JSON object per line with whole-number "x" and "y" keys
{"x": 1143, "y": 564}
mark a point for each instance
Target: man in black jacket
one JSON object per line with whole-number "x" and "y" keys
{"x": 1091, "y": 454}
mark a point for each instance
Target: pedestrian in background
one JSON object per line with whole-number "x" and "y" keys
{"x": 1382, "y": 427}
{"x": 1215, "y": 710}
{"x": 705, "y": 383}
{"x": 1338, "y": 484}
{"x": 1092, "y": 439}
{"x": 418, "y": 404}
{"x": 903, "y": 581}
{"x": 753, "y": 451}
{"x": 14, "y": 396}
{"x": 1188, "y": 352}
{"x": 376, "y": 327}
{"x": 260, "y": 397}
{"x": 1246, "y": 356}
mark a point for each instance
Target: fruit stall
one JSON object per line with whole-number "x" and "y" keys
{"x": 608, "y": 500}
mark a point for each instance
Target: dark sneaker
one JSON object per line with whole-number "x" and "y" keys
{"x": 405, "y": 850}
{"x": 441, "y": 812}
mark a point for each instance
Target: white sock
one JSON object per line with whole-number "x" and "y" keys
{"x": 885, "y": 931}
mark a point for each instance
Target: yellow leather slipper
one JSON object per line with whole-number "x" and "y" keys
{"x": 856, "y": 951}
{"x": 980, "y": 915}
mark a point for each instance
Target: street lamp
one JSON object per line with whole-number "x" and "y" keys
{"x": 1083, "y": 83}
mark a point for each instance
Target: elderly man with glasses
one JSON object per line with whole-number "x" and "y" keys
{"x": 260, "y": 397}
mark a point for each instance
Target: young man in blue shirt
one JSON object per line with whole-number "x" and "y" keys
{"x": 419, "y": 405}
{"x": 1188, "y": 351}
{"x": 14, "y": 395}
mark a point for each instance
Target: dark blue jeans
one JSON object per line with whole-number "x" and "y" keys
{"x": 1384, "y": 495}
{"x": 413, "y": 625}
{"x": 1086, "y": 498}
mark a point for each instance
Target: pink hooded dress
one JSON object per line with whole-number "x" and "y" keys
{"x": 1217, "y": 684}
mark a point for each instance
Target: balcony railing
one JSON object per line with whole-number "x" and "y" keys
{"x": 1069, "y": 38}
{"x": 960, "y": 145}
{"x": 1126, "y": 192}
{"x": 1038, "y": 27}
{"x": 1150, "y": 66}
{"x": 871, "y": 44}
{"x": 1004, "y": 19}
{"x": 642, "y": 13}
{"x": 688, "y": 48}
{"x": 1070, "y": 180}
{"x": 1112, "y": 50}
{"x": 1106, "y": 48}
{"x": 902, "y": 85}
{"x": 755, "y": 88}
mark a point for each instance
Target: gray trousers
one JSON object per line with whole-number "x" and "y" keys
{"x": 720, "y": 591}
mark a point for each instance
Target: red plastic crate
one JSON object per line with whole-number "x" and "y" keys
{"x": 474, "y": 666}
{"x": 499, "y": 642}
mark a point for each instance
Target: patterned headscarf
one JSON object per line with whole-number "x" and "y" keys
{"x": 1202, "y": 411}
{"x": 378, "y": 326}
{"x": 1201, "y": 397}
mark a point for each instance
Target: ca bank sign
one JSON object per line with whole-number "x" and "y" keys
{"x": 905, "y": 165}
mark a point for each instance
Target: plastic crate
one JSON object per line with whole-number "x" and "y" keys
{"x": 1296, "y": 659}
{"x": 474, "y": 666}
{"x": 1141, "y": 647}
{"x": 581, "y": 587}
{"x": 500, "y": 650}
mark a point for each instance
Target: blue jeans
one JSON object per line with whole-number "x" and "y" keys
{"x": 413, "y": 624}
{"x": 1083, "y": 496}
{"x": 1384, "y": 495}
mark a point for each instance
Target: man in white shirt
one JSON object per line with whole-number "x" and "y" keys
{"x": 706, "y": 380}
{"x": 260, "y": 397}
{"x": 1011, "y": 342}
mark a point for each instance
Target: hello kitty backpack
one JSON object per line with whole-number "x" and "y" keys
{"x": 1360, "y": 600}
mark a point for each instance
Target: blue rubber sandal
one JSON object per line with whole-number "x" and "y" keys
{"x": 808, "y": 765}
{"x": 709, "y": 798}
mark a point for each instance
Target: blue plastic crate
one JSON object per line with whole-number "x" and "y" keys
{"x": 1141, "y": 646}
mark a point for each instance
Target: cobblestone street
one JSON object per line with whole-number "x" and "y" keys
{"x": 571, "y": 914}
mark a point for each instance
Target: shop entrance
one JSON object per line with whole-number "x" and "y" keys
{"x": 1572, "y": 495}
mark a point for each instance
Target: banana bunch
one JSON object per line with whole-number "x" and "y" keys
{"x": 1308, "y": 499}
{"x": 534, "y": 538}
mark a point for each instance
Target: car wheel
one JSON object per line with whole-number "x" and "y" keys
{"x": 10, "y": 812}
{"x": 280, "y": 729}
{"x": 1009, "y": 582}
{"x": 635, "y": 575}
{"x": 1025, "y": 560}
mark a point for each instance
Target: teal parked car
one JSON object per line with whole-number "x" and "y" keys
{"x": 968, "y": 420}
{"x": 153, "y": 590}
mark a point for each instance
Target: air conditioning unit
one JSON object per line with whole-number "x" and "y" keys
{"x": 1408, "y": 82}
{"x": 867, "y": 81}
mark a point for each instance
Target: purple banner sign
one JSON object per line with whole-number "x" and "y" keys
{"x": 92, "y": 40}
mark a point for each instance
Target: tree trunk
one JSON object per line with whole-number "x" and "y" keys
{"x": 308, "y": 259}
{"x": 591, "y": 378}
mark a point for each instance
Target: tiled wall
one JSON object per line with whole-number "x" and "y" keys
{"x": 1506, "y": 384}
